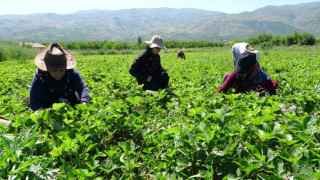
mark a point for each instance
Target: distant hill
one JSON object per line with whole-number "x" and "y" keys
{"x": 172, "y": 24}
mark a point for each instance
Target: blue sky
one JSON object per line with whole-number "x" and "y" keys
{"x": 70, "y": 6}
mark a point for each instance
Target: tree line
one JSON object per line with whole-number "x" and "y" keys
{"x": 265, "y": 40}
{"x": 97, "y": 45}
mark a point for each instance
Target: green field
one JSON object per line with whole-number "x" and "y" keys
{"x": 185, "y": 131}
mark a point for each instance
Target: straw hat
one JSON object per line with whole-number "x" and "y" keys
{"x": 54, "y": 58}
{"x": 251, "y": 49}
{"x": 156, "y": 41}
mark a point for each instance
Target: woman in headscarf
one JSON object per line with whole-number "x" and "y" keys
{"x": 56, "y": 79}
{"x": 248, "y": 76}
{"x": 147, "y": 68}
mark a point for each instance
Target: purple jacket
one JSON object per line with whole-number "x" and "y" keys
{"x": 267, "y": 85}
{"x": 45, "y": 90}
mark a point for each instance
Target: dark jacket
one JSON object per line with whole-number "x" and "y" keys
{"x": 45, "y": 90}
{"x": 146, "y": 64}
{"x": 181, "y": 55}
{"x": 232, "y": 81}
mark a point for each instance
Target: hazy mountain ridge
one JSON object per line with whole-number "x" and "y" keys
{"x": 173, "y": 24}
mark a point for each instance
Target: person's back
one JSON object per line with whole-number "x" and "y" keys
{"x": 248, "y": 76}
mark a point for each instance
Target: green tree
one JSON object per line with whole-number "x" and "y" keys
{"x": 253, "y": 41}
{"x": 291, "y": 39}
{"x": 264, "y": 37}
{"x": 139, "y": 40}
{"x": 307, "y": 39}
{"x": 277, "y": 40}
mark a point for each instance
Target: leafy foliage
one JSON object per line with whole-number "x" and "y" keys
{"x": 185, "y": 131}
{"x": 266, "y": 39}
{"x": 97, "y": 45}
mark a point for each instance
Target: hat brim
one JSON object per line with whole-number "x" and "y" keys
{"x": 152, "y": 45}
{"x": 240, "y": 70}
{"x": 45, "y": 66}
{"x": 256, "y": 52}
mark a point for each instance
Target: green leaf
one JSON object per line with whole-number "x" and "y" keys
{"x": 316, "y": 175}
{"x": 261, "y": 119}
{"x": 263, "y": 176}
{"x": 135, "y": 101}
{"x": 306, "y": 170}
{"x": 253, "y": 149}
{"x": 91, "y": 146}
{"x": 16, "y": 124}
{"x": 111, "y": 153}
{"x": 58, "y": 106}
{"x": 251, "y": 168}
{"x": 68, "y": 121}
{"x": 57, "y": 151}
{"x": 173, "y": 130}
{"x": 58, "y": 126}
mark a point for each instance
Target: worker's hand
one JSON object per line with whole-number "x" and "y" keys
{"x": 165, "y": 69}
{"x": 149, "y": 79}
{"x": 84, "y": 103}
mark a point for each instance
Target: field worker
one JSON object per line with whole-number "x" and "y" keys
{"x": 181, "y": 55}
{"x": 239, "y": 48}
{"x": 247, "y": 76}
{"x": 147, "y": 67}
{"x": 56, "y": 80}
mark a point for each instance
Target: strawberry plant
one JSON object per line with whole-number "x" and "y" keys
{"x": 185, "y": 131}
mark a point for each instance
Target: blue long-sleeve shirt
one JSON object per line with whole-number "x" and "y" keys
{"x": 45, "y": 90}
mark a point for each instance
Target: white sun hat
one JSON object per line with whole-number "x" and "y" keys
{"x": 156, "y": 41}
{"x": 257, "y": 54}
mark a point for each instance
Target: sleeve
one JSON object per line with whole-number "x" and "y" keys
{"x": 36, "y": 94}
{"x": 136, "y": 70}
{"x": 227, "y": 83}
{"x": 80, "y": 87}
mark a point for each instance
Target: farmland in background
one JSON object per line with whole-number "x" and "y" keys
{"x": 185, "y": 131}
{"x": 11, "y": 51}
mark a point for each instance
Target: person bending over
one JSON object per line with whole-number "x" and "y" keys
{"x": 56, "y": 79}
{"x": 248, "y": 76}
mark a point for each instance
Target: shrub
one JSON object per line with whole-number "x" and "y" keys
{"x": 264, "y": 37}
{"x": 266, "y": 45}
{"x": 307, "y": 39}
{"x": 290, "y": 40}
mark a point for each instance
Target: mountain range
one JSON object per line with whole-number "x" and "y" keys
{"x": 185, "y": 24}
